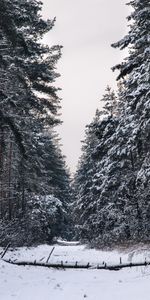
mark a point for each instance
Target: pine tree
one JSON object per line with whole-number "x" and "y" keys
{"x": 29, "y": 107}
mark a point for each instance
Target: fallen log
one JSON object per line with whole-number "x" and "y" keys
{"x": 60, "y": 265}
{"x": 63, "y": 265}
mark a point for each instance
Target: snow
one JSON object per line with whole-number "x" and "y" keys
{"x": 66, "y": 243}
{"x": 38, "y": 283}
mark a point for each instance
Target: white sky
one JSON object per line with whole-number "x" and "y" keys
{"x": 85, "y": 28}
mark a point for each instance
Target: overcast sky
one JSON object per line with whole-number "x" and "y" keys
{"x": 86, "y": 29}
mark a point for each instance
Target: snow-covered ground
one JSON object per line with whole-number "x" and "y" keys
{"x": 39, "y": 283}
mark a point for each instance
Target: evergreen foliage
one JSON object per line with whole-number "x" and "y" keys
{"x": 120, "y": 193}
{"x": 31, "y": 164}
{"x": 91, "y": 173}
{"x": 83, "y": 209}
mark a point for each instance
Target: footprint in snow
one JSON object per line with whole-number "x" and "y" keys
{"x": 58, "y": 287}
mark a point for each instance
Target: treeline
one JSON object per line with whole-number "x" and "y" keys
{"x": 112, "y": 182}
{"x": 34, "y": 180}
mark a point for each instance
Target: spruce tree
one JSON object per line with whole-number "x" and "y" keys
{"x": 135, "y": 120}
{"x": 125, "y": 191}
{"x": 92, "y": 174}
{"x": 84, "y": 207}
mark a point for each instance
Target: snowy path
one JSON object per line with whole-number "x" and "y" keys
{"x": 30, "y": 283}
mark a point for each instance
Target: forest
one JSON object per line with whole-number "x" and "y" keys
{"x": 107, "y": 203}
